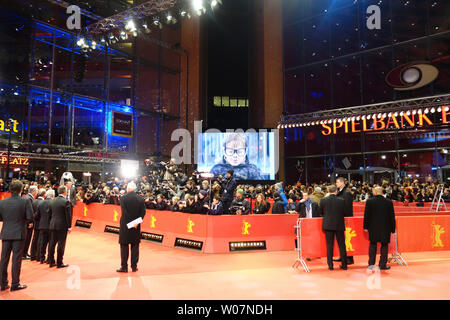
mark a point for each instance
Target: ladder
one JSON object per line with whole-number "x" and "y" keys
{"x": 437, "y": 199}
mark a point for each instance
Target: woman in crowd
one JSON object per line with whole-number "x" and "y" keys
{"x": 262, "y": 206}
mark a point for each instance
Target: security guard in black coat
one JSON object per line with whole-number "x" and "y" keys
{"x": 332, "y": 209}
{"x": 379, "y": 221}
{"x": 16, "y": 213}
{"x": 133, "y": 207}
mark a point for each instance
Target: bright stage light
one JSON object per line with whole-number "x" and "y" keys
{"x": 129, "y": 168}
{"x": 130, "y": 26}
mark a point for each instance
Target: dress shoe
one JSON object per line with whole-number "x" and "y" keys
{"x": 343, "y": 267}
{"x": 385, "y": 268}
{"x": 330, "y": 268}
{"x": 134, "y": 269}
{"x": 62, "y": 265}
{"x": 27, "y": 257}
{"x": 337, "y": 260}
{"x": 18, "y": 287}
{"x": 122, "y": 270}
{"x": 51, "y": 264}
{"x": 5, "y": 287}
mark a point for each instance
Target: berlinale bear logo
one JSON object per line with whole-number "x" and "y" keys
{"x": 436, "y": 236}
{"x": 245, "y": 226}
{"x": 349, "y": 234}
{"x": 153, "y": 222}
{"x": 190, "y": 225}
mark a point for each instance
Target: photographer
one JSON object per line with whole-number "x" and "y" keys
{"x": 202, "y": 202}
{"x": 174, "y": 205}
{"x": 216, "y": 207}
{"x": 89, "y": 197}
{"x": 189, "y": 206}
{"x": 240, "y": 205}
{"x": 160, "y": 203}
{"x": 190, "y": 188}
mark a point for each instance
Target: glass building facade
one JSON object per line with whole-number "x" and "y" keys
{"x": 334, "y": 61}
{"x": 63, "y": 98}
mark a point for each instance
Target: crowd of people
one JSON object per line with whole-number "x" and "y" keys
{"x": 165, "y": 187}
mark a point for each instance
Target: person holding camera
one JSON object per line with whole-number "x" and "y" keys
{"x": 240, "y": 205}
{"x": 216, "y": 207}
{"x": 160, "y": 203}
{"x": 202, "y": 200}
{"x": 189, "y": 205}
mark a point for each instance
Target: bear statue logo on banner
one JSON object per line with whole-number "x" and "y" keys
{"x": 190, "y": 225}
{"x": 153, "y": 222}
{"x": 245, "y": 226}
{"x": 349, "y": 234}
{"x": 436, "y": 236}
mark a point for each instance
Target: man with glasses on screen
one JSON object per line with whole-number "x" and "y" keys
{"x": 236, "y": 157}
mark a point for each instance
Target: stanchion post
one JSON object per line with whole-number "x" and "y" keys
{"x": 300, "y": 260}
{"x": 396, "y": 255}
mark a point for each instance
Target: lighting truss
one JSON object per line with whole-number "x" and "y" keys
{"x": 149, "y": 8}
{"x": 411, "y": 105}
{"x": 59, "y": 157}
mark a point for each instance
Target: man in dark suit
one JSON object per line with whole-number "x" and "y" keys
{"x": 379, "y": 221}
{"x": 228, "y": 186}
{"x": 31, "y": 197}
{"x": 348, "y": 198}
{"x": 133, "y": 207}
{"x": 15, "y": 212}
{"x": 43, "y": 217}
{"x": 34, "y": 243}
{"x": 60, "y": 225}
{"x": 332, "y": 208}
{"x": 307, "y": 208}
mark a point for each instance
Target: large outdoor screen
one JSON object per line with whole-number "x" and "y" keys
{"x": 250, "y": 154}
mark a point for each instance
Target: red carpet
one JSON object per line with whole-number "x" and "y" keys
{"x": 168, "y": 273}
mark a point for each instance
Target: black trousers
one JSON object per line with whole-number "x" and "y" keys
{"x": 373, "y": 254}
{"x": 26, "y": 244}
{"x": 57, "y": 237}
{"x": 124, "y": 253}
{"x": 44, "y": 237}
{"x": 340, "y": 238}
{"x": 16, "y": 247}
{"x": 35, "y": 244}
{"x": 226, "y": 206}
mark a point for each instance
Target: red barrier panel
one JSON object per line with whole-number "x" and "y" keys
{"x": 423, "y": 233}
{"x": 356, "y": 239}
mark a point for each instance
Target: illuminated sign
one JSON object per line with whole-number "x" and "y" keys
{"x": 382, "y": 122}
{"x": 15, "y": 161}
{"x": 4, "y": 126}
{"x": 122, "y": 124}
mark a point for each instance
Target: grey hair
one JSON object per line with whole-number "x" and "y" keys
{"x": 31, "y": 189}
{"x": 131, "y": 186}
{"x": 332, "y": 188}
{"x": 50, "y": 193}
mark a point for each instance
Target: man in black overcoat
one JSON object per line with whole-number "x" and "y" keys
{"x": 348, "y": 198}
{"x": 332, "y": 209}
{"x": 133, "y": 207}
{"x": 16, "y": 213}
{"x": 43, "y": 217}
{"x": 60, "y": 225}
{"x": 35, "y": 242}
{"x": 379, "y": 221}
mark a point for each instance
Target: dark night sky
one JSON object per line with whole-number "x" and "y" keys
{"x": 227, "y": 52}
